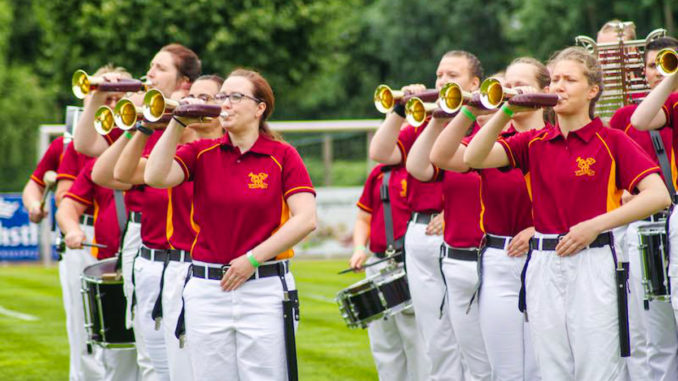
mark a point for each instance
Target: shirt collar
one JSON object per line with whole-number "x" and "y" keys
{"x": 585, "y": 133}
{"x": 264, "y": 145}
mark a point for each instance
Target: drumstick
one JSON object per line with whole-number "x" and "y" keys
{"x": 91, "y": 244}
{"x": 348, "y": 270}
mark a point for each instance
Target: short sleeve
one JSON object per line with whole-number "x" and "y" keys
{"x": 295, "y": 177}
{"x": 633, "y": 163}
{"x": 186, "y": 157}
{"x": 517, "y": 149}
{"x": 366, "y": 201}
{"x": 49, "y": 161}
{"x": 622, "y": 118}
{"x": 406, "y": 139}
{"x": 83, "y": 187}
{"x": 69, "y": 167}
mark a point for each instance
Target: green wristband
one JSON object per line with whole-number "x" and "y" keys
{"x": 128, "y": 135}
{"x": 253, "y": 261}
{"x": 468, "y": 113}
{"x": 360, "y": 247}
{"x": 505, "y": 108}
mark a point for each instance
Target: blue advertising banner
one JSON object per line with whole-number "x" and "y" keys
{"x": 18, "y": 237}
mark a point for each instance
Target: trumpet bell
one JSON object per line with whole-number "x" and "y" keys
{"x": 491, "y": 93}
{"x": 451, "y": 98}
{"x": 154, "y": 105}
{"x": 385, "y": 98}
{"x": 125, "y": 114}
{"x": 80, "y": 84}
{"x": 667, "y": 61}
{"x": 416, "y": 111}
{"x": 103, "y": 120}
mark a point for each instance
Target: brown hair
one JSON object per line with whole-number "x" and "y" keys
{"x": 541, "y": 74}
{"x": 262, "y": 91}
{"x": 110, "y": 68}
{"x": 185, "y": 60}
{"x": 473, "y": 62}
{"x": 592, "y": 69}
{"x": 659, "y": 44}
{"x": 628, "y": 28}
{"x": 211, "y": 77}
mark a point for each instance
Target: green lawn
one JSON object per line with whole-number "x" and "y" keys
{"x": 38, "y": 350}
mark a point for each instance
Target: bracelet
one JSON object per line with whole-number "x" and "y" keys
{"x": 182, "y": 124}
{"x": 252, "y": 259}
{"x": 468, "y": 113}
{"x": 128, "y": 135}
{"x": 144, "y": 130}
{"x": 399, "y": 109}
{"x": 505, "y": 108}
{"x": 360, "y": 247}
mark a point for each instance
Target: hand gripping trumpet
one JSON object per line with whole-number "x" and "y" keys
{"x": 155, "y": 105}
{"x": 82, "y": 84}
{"x": 667, "y": 61}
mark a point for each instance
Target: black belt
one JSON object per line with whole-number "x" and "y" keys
{"x": 422, "y": 218}
{"x": 135, "y": 217}
{"x": 87, "y": 220}
{"x": 602, "y": 240}
{"x": 496, "y": 242}
{"x": 216, "y": 273}
{"x": 660, "y": 216}
{"x": 470, "y": 254}
{"x": 397, "y": 256}
{"x": 159, "y": 255}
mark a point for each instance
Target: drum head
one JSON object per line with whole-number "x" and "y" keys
{"x": 100, "y": 271}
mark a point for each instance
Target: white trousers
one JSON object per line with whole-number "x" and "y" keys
{"x": 82, "y": 365}
{"x": 130, "y": 248}
{"x": 147, "y": 288}
{"x": 572, "y": 310}
{"x": 505, "y": 332}
{"x": 422, "y": 254}
{"x": 396, "y": 347}
{"x": 462, "y": 278}
{"x": 656, "y": 324}
{"x": 236, "y": 335}
{"x": 178, "y": 359}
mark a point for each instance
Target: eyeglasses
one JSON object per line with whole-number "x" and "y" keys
{"x": 203, "y": 97}
{"x": 234, "y": 98}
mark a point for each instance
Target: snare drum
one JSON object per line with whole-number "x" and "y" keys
{"x": 104, "y": 303}
{"x": 378, "y": 297}
{"x": 654, "y": 261}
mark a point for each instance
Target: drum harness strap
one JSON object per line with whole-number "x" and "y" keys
{"x": 290, "y": 306}
{"x": 622, "y": 276}
{"x": 156, "y": 314}
{"x": 392, "y": 246}
{"x": 660, "y": 150}
{"x": 180, "y": 330}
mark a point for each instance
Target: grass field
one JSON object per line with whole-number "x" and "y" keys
{"x": 38, "y": 349}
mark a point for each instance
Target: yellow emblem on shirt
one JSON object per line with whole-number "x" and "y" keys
{"x": 258, "y": 181}
{"x": 585, "y": 166}
{"x": 403, "y": 188}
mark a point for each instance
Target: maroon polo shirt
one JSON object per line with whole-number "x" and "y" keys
{"x": 370, "y": 202}
{"x": 670, "y": 108}
{"x": 71, "y": 166}
{"x": 106, "y": 230}
{"x": 423, "y": 197}
{"x": 621, "y": 120}
{"x": 180, "y": 231}
{"x": 239, "y": 199}
{"x": 506, "y": 208}
{"x": 461, "y": 206}
{"x": 50, "y": 160}
{"x": 575, "y": 179}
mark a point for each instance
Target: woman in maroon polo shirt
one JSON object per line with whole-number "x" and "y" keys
{"x": 253, "y": 200}
{"x": 506, "y": 221}
{"x": 575, "y": 173}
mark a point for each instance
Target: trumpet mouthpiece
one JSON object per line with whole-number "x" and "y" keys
{"x": 224, "y": 114}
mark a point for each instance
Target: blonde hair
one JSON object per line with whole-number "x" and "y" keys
{"x": 592, "y": 69}
{"x": 110, "y": 68}
{"x": 541, "y": 74}
{"x": 628, "y": 28}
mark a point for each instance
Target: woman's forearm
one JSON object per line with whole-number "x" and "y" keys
{"x": 130, "y": 166}
{"x": 418, "y": 163}
{"x": 383, "y": 147}
{"x": 648, "y": 115}
{"x": 483, "y": 142}
{"x": 446, "y": 152}
{"x": 159, "y": 164}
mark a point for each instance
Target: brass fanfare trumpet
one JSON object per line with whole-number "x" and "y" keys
{"x": 385, "y": 98}
{"x": 492, "y": 93}
{"x": 125, "y": 114}
{"x": 103, "y": 120}
{"x": 667, "y": 61}
{"x": 452, "y": 97}
{"x": 155, "y": 105}
{"x": 82, "y": 84}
